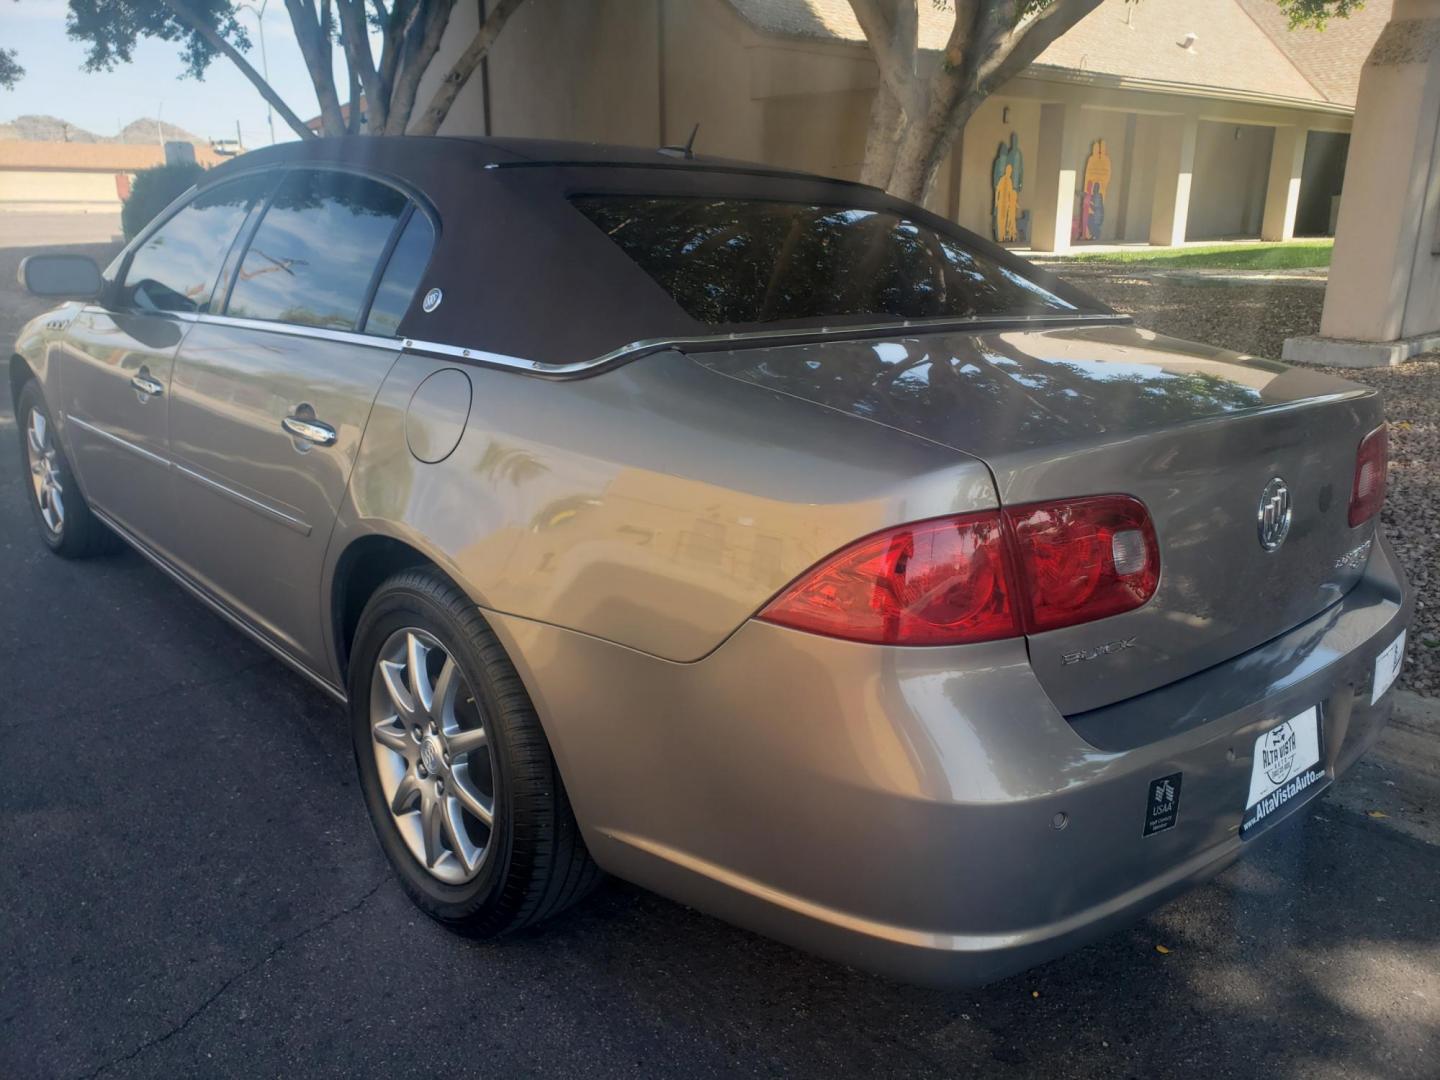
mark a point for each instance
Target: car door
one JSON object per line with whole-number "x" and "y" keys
{"x": 269, "y": 402}
{"x": 119, "y": 354}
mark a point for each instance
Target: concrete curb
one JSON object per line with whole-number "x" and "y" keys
{"x": 1417, "y": 712}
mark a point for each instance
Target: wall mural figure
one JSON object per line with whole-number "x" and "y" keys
{"x": 1094, "y": 188}
{"x": 1008, "y": 176}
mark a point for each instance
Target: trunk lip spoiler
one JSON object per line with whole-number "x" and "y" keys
{"x": 759, "y": 338}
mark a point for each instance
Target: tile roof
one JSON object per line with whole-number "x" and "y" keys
{"x": 89, "y": 157}
{"x": 1331, "y": 58}
{"x": 1240, "y": 45}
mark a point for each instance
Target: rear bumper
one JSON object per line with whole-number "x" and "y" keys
{"x": 897, "y": 809}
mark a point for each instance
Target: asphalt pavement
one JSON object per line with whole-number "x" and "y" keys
{"x": 189, "y": 886}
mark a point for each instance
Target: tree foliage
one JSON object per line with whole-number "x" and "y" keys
{"x": 10, "y": 69}
{"x": 409, "y": 31}
{"x": 919, "y": 108}
{"x": 154, "y": 189}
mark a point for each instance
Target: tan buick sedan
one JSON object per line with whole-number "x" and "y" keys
{"x": 752, "y": 536}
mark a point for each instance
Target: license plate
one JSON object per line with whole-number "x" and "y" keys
{"x": 1387, "y": 666}
{"x": 1286, "y": 766}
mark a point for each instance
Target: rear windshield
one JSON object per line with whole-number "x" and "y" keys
{"x": 737, "y": 262}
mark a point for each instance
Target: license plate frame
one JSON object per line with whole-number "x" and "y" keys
{"x": 1286, "y": 769}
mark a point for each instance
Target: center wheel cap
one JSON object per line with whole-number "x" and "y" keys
{"x": 430, "y": 755}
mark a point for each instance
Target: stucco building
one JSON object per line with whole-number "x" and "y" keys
{"x": 1216, "y": 119}
{"x": 76, "y": 176}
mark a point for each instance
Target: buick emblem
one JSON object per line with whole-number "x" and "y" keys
{"x": 1274, "y": 514}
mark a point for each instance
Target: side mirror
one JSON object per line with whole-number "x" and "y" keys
{"x": 72, "y": 276}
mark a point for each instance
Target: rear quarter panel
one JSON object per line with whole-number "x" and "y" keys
{"x": 657, "y": 505}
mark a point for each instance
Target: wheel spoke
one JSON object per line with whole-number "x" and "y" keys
{"x": 405, "y": 794}
{"x": 467, "y": 742}
{"x": 474, "y": 804}
{"x": 421, "y": 692}
{"x": 395, "y": 738}
{"x": 455, "y": 836}
{"x": 443, "y": 694}
{"x": 431, "y": 816}
{"x": 394, "y": 676}
{"x": 38, "y": 431}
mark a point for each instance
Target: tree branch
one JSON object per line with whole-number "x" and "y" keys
{"x": 1022, "y": 45}
{"x": 454, "y": 80}
{"x": 355, "y": 40}
{"x": 417, "y": 50}
{"x": 892, "y": 28}
{"x": 312, "y": 36}
{"x": 220, "y": 45}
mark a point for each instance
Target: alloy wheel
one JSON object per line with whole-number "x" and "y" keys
{"x": 45, "y": 471}
{"x": 432, "y": 752}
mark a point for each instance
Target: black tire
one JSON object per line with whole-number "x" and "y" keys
{"x": 539, "y": 865}
{"x": 79, "y": 534}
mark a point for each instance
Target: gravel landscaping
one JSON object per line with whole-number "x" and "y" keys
{"x": 1257, "y": 318}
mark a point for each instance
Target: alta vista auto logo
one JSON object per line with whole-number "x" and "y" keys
{"x": 1277, "y": 752}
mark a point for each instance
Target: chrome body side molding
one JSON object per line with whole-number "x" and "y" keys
{"x": 264, "y": 509}
{"x": 124, "y": 444}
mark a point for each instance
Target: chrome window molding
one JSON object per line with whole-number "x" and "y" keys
{"x": 758, "y": 338}
{"x": 349, "y": 337}
{"x": 648, "y": 345}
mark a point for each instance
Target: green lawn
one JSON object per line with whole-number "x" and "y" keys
{"x": 1295, "y": 254}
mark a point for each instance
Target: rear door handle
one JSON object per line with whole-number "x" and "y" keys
{"x": 312, "y": 431}
{"x": 148, "y": 386}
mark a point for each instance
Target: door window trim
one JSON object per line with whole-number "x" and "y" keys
{"x": 182, "y": 202}
{"x": 413, "y": 201}
{"x": 378, "y": 274}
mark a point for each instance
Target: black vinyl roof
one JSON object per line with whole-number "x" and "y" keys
{"x": 524, "y": 273}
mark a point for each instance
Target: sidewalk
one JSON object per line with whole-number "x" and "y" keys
{"x": 1398, "y": 782}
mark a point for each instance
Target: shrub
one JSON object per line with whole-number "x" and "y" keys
{"x": 154, "y": 189}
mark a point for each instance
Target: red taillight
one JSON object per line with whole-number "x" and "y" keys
{"x": 939, "y": 582}
{"x": 1368, "y": 492}
{"x": 980, "y": 577}
{"x": 1084, "y": 559}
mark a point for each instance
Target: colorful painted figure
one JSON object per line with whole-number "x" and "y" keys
{"x": 1094, "y": 188}
{"x": 1008, "y": 178}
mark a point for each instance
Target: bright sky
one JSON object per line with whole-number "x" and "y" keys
{"x": 56, "y": 84}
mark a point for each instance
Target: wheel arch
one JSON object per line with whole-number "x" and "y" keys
{"x": 361, "y": 568}
{"x": 20, "y": 373}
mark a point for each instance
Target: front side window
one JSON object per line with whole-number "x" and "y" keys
{"x": 312, "y": 259}
{"x": 402, "y": 276}
{"x": 746, "y": 262}
{"x": 177, "y": 267}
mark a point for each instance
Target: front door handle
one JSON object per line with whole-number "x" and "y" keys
{"x": 312, "y": 431}
{"x": 147, "y": 386}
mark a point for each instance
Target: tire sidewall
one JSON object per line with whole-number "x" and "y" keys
{"x": 397, "y": 608}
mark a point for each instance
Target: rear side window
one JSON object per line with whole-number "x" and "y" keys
{"x": 316, "y": 251}
{"x": 177, "y": 267}
{"x": 737, "y": 262}
{"x": 402, "y": 276}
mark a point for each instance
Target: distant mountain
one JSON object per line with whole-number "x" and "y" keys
{"x": 53, "y": 129}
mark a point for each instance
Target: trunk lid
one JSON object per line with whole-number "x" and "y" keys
{"x": 1193, "y": 432}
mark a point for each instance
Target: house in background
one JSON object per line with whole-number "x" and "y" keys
{"x": 1215, "y": 119}
{"x": 81, "y": 177}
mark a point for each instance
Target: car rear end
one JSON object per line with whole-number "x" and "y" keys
{"x": 963, "y": 742}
